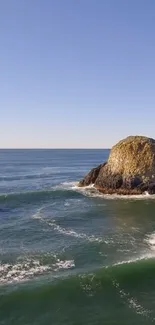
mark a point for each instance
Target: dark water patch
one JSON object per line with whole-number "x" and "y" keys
{"x": 58, "y": 172}
{"x": 34, "y": 196}
{"x": 90, "y": 294}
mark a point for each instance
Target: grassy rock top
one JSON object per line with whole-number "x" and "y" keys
{"x": 134, "y": 155}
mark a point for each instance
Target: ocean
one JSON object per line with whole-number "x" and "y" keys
{"x": 69, "y": 255}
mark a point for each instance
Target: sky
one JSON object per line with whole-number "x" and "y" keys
{"x": 76, "y": 73}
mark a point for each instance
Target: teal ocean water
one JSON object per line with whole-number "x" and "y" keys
{"x": 71, "y": 256}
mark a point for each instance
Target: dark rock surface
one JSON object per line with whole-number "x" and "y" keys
{"x": 91, "y": 177}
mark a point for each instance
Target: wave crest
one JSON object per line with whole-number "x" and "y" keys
{"x": 14, "y": 273}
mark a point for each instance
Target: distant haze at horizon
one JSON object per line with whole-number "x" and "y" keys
{"x": 76, "y": 74}
{"x": 67, "y": 148}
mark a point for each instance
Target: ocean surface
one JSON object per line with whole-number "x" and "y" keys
{"x": 71, "y": 256}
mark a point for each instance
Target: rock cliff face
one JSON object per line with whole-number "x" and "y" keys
{"x": 130, "y": 168}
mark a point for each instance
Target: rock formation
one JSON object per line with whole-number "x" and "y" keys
{"x": 130, "y": 168}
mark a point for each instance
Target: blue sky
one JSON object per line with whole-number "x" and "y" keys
{"x": 76, "y": 73}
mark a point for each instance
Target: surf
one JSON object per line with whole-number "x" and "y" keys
{"x": 129, "y": 274}
{"x": 28, "y": 197}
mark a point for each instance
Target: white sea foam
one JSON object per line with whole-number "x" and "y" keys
{"x": 21, "y": 271}
{"x": 73, "y": 233}
{"x": 150, "y": 240}
{"x": 88, "y": 287}
{"x": 136, "y": 259}
{"x": 96, "y": 193}
{"x": 67, "y": 204}
{"x": 38, "y": 213}
{"x": 66, "y": 186}
{"x": 131, "y": 301}
{"x": 64, "y": 264}
{"x": 13, "y": 273}
{"x": 72, "y": 203}
{"x": 93, "y": 192}
{"x": 74, "y": 186}
{"x": 64, "y": 231}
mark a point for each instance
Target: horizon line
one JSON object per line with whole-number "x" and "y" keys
{"x": 55, "y": 148}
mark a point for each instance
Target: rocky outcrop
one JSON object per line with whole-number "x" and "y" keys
{"x": 91, "y": 177}
{"x": 130, "y": 168}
